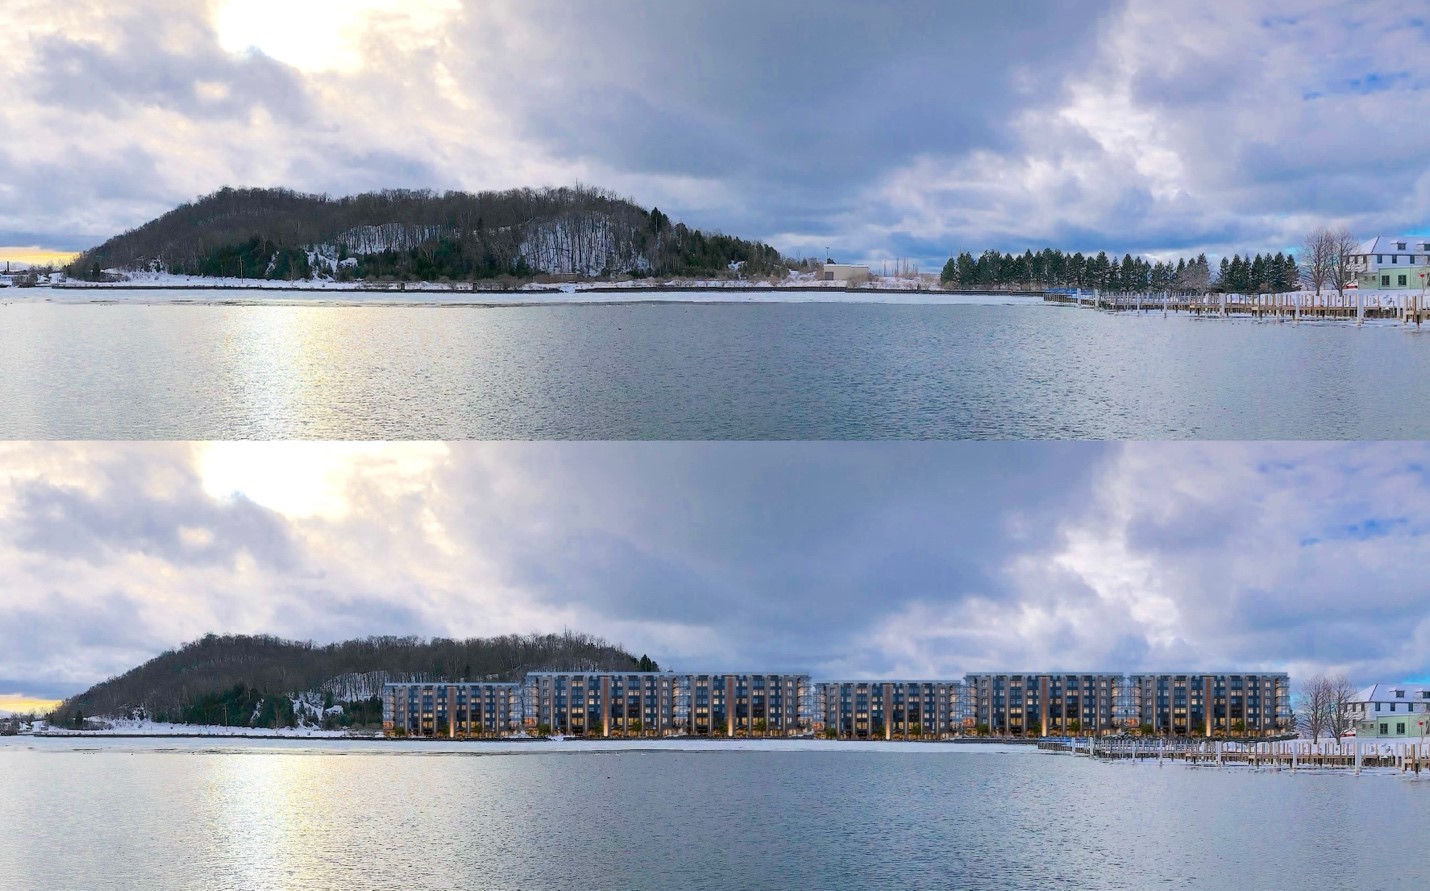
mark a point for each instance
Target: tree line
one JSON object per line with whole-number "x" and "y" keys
{"x": 402, "y": 234}
{"x": 1053, "y": 268}
{"x": 246, "y": 680}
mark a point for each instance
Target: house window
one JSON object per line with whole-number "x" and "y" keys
{"x": 1379, "y": 258}
{"x": 1400, "y": 728}
{"x": 1400, "y": 245}
{"x": 1401, "y": 280}
{"x": 1399, "y": 694}
{"x": 1385, "y": 281}
{"x": 1385, "y": 730}
{"x": 1377, "y": 706}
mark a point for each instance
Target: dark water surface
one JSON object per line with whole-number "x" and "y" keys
{"x": 169, "y": 815}
{"x": 692, "y": 371}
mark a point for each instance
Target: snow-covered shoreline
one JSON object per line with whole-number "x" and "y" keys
{"x": 161, "y": 288}
{"x": 331, "y": 740}
{"x": 434, "y": 297}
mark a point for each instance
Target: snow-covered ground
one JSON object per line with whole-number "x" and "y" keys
{"x": 188, "y": 738}
{"x": 130, "y": 727}
{"x": 159, "y": 288}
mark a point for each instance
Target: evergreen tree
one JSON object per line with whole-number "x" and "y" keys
{"x": 967, "y": 274}
{"x": 1290, "y": 275}
{"x": 949, "y": 275}
{"x": 1098, "y": 269}
{"x": 1257, "y": 276}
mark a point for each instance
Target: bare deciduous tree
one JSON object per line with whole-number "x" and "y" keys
{"x": 1324, "y": 707}
{"x": 1339, "y": 697}
{"x": 1316, "y": 252}
{"x": 1343, "y": 248}
{"x": 1311, "y": 707}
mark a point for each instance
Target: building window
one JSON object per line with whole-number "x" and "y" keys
{"x": 1400, "y": 245}
{"x": 1385, "y": 281}
{"x": 1385, "y": 730}
{"x": 1400, "y": 728}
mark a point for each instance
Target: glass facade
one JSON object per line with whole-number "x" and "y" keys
{"x": 654, "y": 704}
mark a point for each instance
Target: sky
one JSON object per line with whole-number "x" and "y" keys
{"x": 844, "y": 560}
{"x": 902, "y": 129}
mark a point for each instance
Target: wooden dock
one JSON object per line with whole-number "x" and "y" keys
{"x": 1408, "y": 308}
{"x": 1352, "y": 755}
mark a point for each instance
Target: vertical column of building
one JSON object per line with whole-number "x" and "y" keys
{"x": 546, "y": 687}
{"x": 1103, "y": 702}
{"x": 730, "y": 705}
{"x": 1044, "y": 714}
{"x": 606, "y": 718}
{"x": 886, "y": 707}
{"x": 1209, "y": 704}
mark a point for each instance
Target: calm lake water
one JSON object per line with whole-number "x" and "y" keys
{"x": 164, "y": 815}
{"x": 697, "y": 371}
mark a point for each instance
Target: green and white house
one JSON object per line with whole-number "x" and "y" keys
{"x": 1393, "y": 263}
{"x": 1392, "y": 711}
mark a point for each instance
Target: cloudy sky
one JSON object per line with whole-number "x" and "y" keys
{"x": 908, "y": 128}
{"x": 840, "y": 559}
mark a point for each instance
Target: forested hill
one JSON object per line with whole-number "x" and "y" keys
{"x": 266, "y": 681}
{"x": 423, "y": 235}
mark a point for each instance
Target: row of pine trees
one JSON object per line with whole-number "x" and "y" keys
{"x": 1052, "y": 268}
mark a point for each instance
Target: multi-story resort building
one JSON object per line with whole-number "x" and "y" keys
{"x": 1029, "y": 704}
{"x": 451, "y": 709}
{"x": 616, "y": 703}
{"x": 664, "y": 704}
{"x": 1034, "y": 704}
{"x": 1257, "y": 704}
{"x": 1392, "y": 711}
{"x": 750, "y": 704}
{"x": 891, "y": 709}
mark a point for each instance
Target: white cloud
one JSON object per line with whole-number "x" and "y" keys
{"x": 842, "y": 559}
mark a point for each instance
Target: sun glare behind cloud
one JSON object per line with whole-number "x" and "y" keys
{"x": 305, "y": 479}
{"x": 316, "y": 35}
